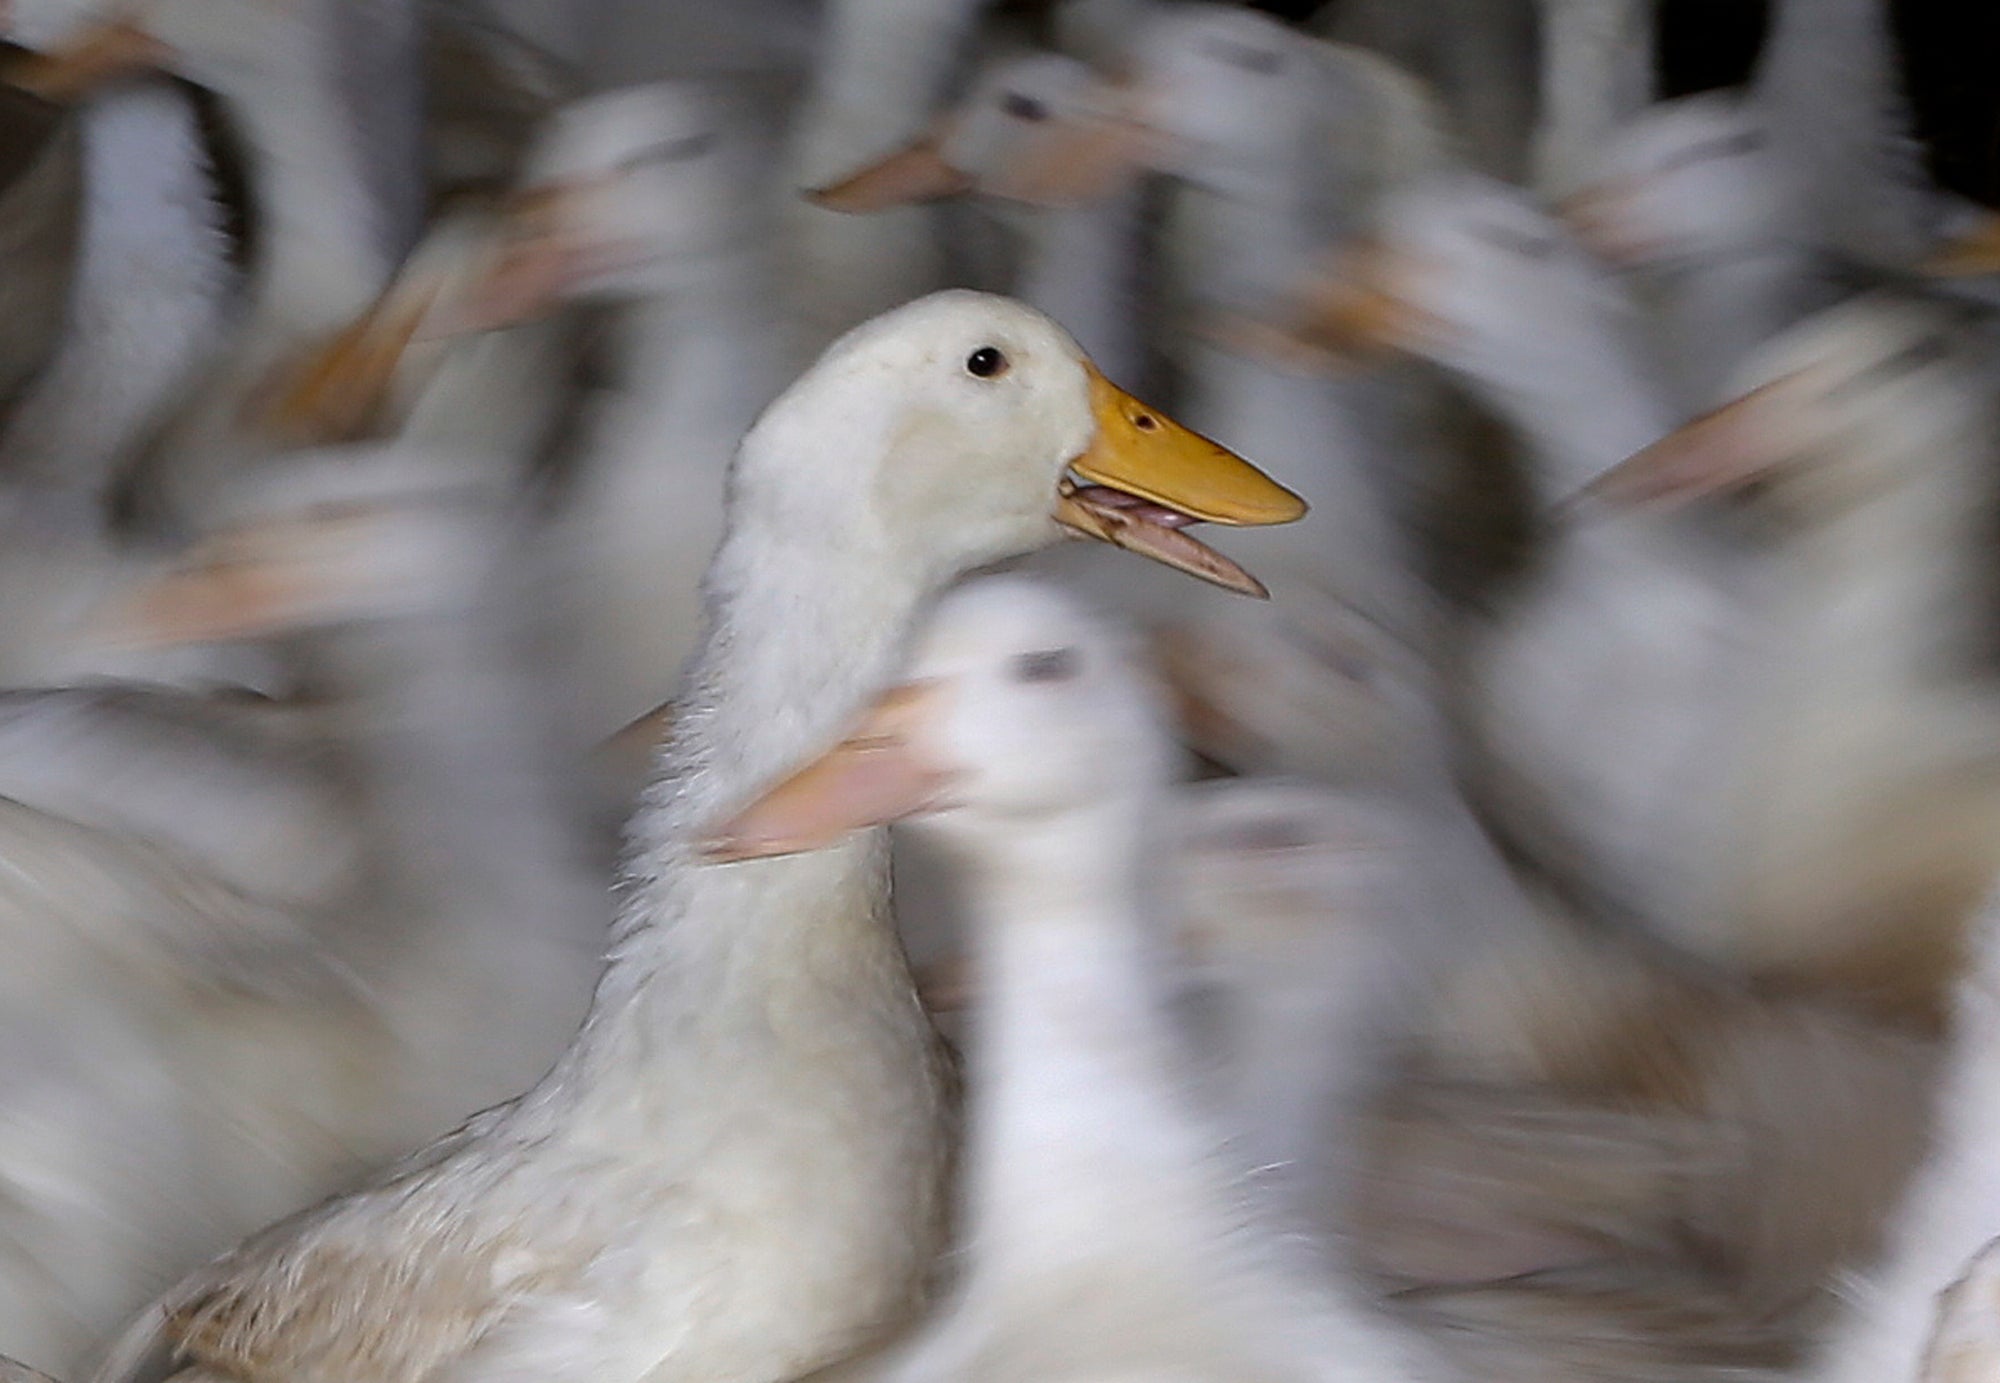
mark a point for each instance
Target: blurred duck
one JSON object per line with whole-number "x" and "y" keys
{"x": 1560, "y": 1149}
{"x": 1856, "y": 831}
{"x": 1036, "y": 140}
{"x": 642, "y": 198}
{"x": 391, "y": 833}
{"x": 636, "y": 1214}
{"x": 1742, "y": 207}
{"x": 882, "y": 67}
{"x": 1291, "y": 996}
{"x": 381, "y": 576}
{"x": 182, "y": 1060}
{"x": 239, "y": 785}
{"x": 325, "y": 97}
{"x": 1596, "y": 73}
{"x": 1107, "y": 1231}
{"x": 1601, "y": 785}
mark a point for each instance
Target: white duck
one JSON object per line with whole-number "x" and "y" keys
{"x": 1108, "y": 1233}
{"x": 326, "y": 100}
{"x": 882, "y": 67}
{"x": 1597, "y": 687}
{"x": 181, "y": 1056}
{"x": 1596, "y": 73}
{"x": 383, "y": 575}
{"x": 1279, "y": 141}
{"x": 399, "y": 839}
{"x": 638, "y": 1214}
{"x": 642, "y": 198}
{"x": 1011, "y": 140}
{"x": 1568, "y": 1151}
{"x": 1856, "y": 827}
{"x": 1740, "y": 205}
{"x": 238, "y": 786}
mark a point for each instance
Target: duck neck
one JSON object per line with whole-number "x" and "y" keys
{"x": 1597, "y": 70}
{"x": 805, "y": 617}
{"x": 1082, "y": 1136}
{"x": 690, "y": 346}
{"x": 330, "y": 232}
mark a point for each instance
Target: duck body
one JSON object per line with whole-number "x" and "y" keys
{"x": 737, "y": 1168}
{"x": 1596, "y": 686}
{"x": 608, "y": 1287}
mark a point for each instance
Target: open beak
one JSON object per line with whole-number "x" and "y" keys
{"x": 1147, "y": 478}
{"x": 1970, "y": 254}
{"x": 918, "y": 172}
{"x": 1730, "y": 446}
{"x": 875, "y": 775}
{"x": 100, "y": 54}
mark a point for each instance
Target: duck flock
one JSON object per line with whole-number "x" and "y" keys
{"x": 503, "y": 503}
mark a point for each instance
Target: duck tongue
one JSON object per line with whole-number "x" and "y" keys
{"x": 1150, "y": 529}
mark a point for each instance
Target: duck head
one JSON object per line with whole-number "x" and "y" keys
{"x": 629, "y": 192}
{"x": 965, "y": 428}
{"x": 1205, "y": 92}
{"x": 1019, "y": 711}
{"x": 1684, "y": 182}
{"x": 1040, "y": 129}
{"x": 1271, "y": 871}
{"x": 1462, "y": 270}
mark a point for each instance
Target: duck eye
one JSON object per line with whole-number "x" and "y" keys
{"x": 986, "y": 363}
{"x": 1049, "y": 665}
{"x": 1024, "y": 107}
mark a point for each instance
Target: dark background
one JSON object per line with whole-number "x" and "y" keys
{"x": 1950, "y": 51}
